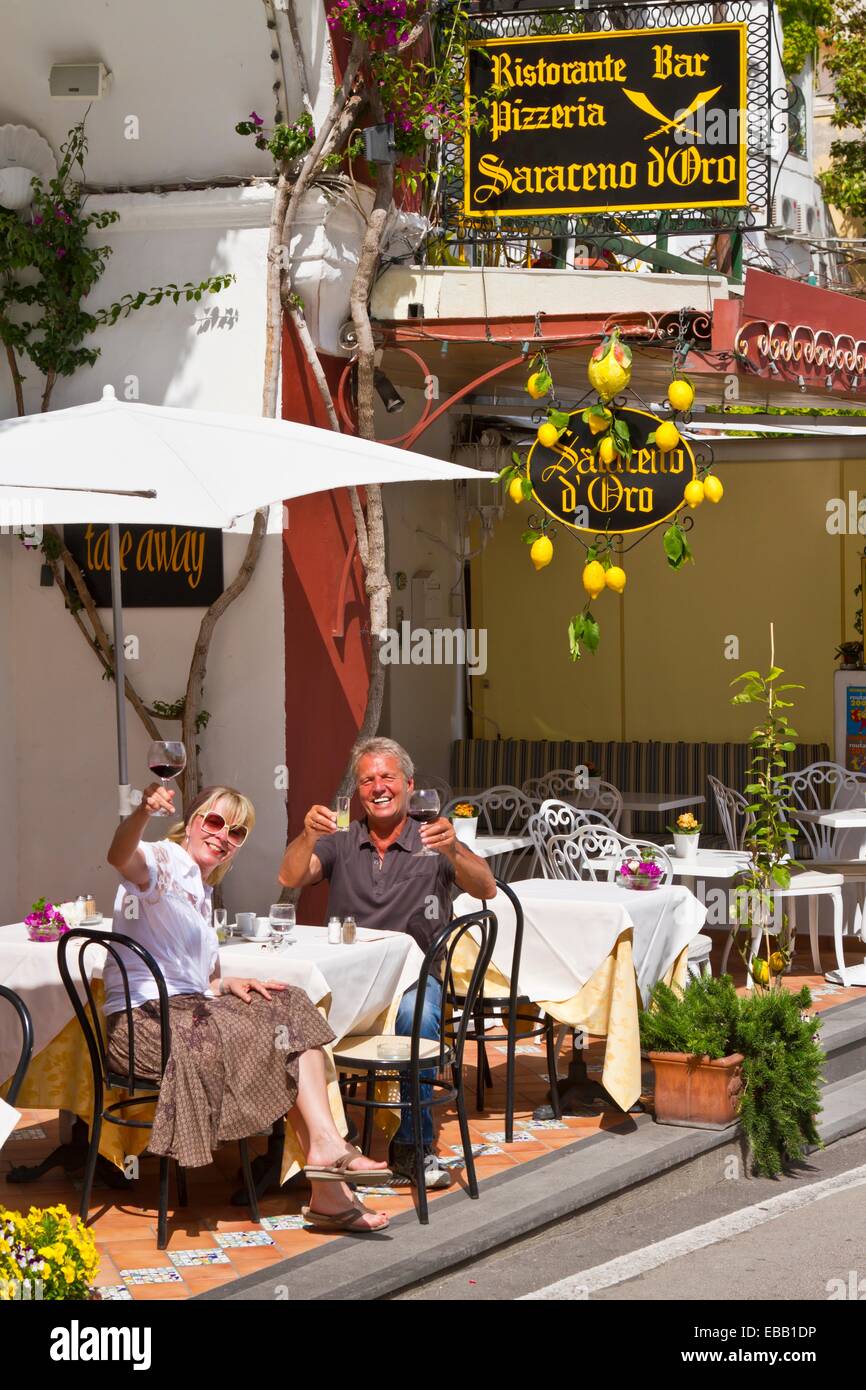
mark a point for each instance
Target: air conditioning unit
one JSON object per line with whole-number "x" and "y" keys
{"x": 788, "y": 215}
{"x": 79, "y": 81}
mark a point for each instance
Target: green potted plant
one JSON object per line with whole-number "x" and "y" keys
{"x": 47, "y": 1254}
{"x": 719, "y": 1057}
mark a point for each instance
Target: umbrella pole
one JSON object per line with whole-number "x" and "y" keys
{"x": 119, "y": 673}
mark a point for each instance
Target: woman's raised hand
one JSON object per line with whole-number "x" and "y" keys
{"x": 244, "y": 989}
{"x": 157, "y": 797}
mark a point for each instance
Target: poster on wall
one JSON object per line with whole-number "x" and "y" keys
{"x": 161, "y": 566}
{"x": 855, "y": 728}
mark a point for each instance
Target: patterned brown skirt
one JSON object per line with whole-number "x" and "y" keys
{"x": 232, "y": 1070}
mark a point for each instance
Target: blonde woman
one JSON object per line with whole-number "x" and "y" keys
{"x": 225, "y": 1079}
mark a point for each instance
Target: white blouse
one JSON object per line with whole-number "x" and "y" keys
{"x": 172, "y": 919}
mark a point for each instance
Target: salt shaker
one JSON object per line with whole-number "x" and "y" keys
{"x": 350, "y": 931}
{"x": 335, "y": 931}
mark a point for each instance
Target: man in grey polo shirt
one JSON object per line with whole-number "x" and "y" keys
{"x": 375, "y": 873}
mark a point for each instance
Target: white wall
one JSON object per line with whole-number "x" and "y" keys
{"x": 188, "y": 71}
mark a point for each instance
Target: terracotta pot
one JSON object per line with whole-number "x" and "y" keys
{"x": 695, "y": 1091}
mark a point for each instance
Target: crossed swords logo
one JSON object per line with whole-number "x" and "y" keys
{"x": 644, "y": 104}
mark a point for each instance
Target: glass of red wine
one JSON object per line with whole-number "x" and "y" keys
{"x": 166, "y": 761}
{"x": 424, "y": 808}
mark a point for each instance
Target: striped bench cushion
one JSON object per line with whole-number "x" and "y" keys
{"x": 477, "y": 763}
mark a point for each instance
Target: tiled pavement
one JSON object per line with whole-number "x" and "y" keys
{"x": 210, "y": 1243}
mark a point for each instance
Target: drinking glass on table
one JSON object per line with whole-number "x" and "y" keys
{"x": 424, "y": 808}
{"x": 343, "y": 812}
{"x": 282, "y": 922}
{"x": 221, "y": 923}
{"x": 166, "y": 761}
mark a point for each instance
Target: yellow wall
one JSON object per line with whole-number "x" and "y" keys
{"x": 763, "y": 554}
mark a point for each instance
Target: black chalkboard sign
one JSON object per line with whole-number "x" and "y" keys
{"x": 161, "y": 566}
{"x": 573, "y": 485}
{"x": 601, "y": 122}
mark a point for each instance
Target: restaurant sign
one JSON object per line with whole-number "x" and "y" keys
{"x": 575, "y": 487}
{"x": 630, "y": 120}
{"x": 161, "y": 566}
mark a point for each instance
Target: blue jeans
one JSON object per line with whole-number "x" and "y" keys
{"x": 430, "y": 1024}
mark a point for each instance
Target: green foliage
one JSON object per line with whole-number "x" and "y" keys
{"x": 801, "y": 21}
{"x": 844, "y": 183}
{"x": 583, "y": 629}
{"x": 48, "y": 267}
{"x": 782, "y": 1072}
{"x": 700, "y": 1020}
{"x": 782, "y": 1059}
{"x": 285, "y": 142}
{"x": 676, "y": 547}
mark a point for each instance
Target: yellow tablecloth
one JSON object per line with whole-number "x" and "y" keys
{"x": 606, "y": 1006}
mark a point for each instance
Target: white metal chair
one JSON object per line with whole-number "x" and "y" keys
{"x": 810, "y": 885}
{"x": 562, "y": 784}
{"x": 596, "y": 852}
{"x": 558, "y": 818}
{"x": 732, "y": 806}
{"x": 502, "y": 810}
{"x": 699, "y": 956}
{"x": 827, "y": 787}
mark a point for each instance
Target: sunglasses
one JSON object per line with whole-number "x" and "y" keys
{"x": 213, "y": 821}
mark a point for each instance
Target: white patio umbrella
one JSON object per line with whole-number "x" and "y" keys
{"x": 124, "y": 463}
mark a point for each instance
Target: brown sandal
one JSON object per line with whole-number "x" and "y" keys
{"x": 354, "y": 1177}
{"x": 346, "y": 1220}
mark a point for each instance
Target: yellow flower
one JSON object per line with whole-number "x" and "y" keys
{"x": 687, "y": 821}
{"x": 69, "y": 1273}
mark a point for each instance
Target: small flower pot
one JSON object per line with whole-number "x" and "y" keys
{"x": 686, "y": 846}
{"x": 466, "y": 828}
{"x": 695, "y": 1091}
{"x": 639, "y": 882}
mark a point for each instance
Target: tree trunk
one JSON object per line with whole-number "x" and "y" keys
{"x": 16, "y": 378}
{"x": 190, "y": 780}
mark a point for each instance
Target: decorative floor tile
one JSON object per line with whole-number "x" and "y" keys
{"x": 497, "y": 1136}
{"x": 114, "y": 1293}
{"x": 283, "y": 1223}
{"x": 478, "y": 1151}
{"x": 186, "y": 1258}
{"x": 22, "y": 1135}
{"x": 541, "y": 1124}
{"x": 522, "y": 1050}
{"x": 163, "y": 1275}
{"x": 380, "y": 1191}
{"x": 229, "y": 1240}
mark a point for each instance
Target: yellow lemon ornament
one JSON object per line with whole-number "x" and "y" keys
{"x": 667, "y": 436}
{"x": 547, "y": 435}
{"x": 541, "y": 552}
{"x": 694, "y": 493}
{"x": 597, "y": 423}
{"x": 681, "y": 394}
{"x": 609, "y": 369}
{"x": 614, "y": 578}
{"x": 515, "y": 490}
{"x": 593, "y": 578}
{"x": 607, "y": 450}
{"x": 535, "y": 386}
{"x": 713, "y": 490}
{"x": 777, "y": 963}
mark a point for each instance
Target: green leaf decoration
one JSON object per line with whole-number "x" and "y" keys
{"x": 529, "y": 536}
{"x": 559, "y": 418}
{"x": 526, "y": 487}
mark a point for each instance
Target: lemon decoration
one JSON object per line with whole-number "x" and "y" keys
{"x": 614, "y": 578}
{"x": 607, "y": 450}
{"x": 547, "y": 435}
{"x": 541, "y": 552}
{"x": 713, "y": 490}
{"x": 609, "y": 369}
{"x": 777, "y": 963}
{"x": 667, "y": 436}
{"x": 681, "y": 394}
{"x": 515, "y": 490}
{"x": 593, "y": 578}
{"x": 537, "y": 385}
{"x": 598, "y": 423}
{"x": 694, "y": 492}
{"x": 760, "y": 971}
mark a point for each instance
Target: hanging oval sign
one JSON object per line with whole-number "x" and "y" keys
{"x": 573, "y": 485}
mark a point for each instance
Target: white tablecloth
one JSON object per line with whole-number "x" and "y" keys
{"x": 570, "y": 928}
{"x": 362, "y": 980}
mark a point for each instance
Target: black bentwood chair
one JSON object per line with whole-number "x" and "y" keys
{"x": 26, "y": 1053}
{"x": 517, "y": 1009}
{"x": 426, "y": 1055}
{"x": 107, "y": 1078}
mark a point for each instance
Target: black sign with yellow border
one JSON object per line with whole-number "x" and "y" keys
{"x": 576, "y": 488}
{"x": 605, "y": 122}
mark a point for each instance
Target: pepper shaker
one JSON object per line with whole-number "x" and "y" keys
{"x": 350, "y": 931}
